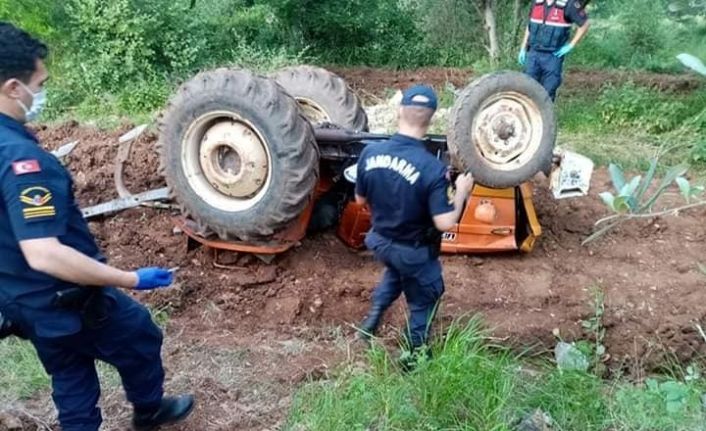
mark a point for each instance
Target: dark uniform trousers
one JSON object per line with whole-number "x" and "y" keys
{"x": 546, "y": 69}
{"x": 415, "y": 270}
{"x": 549, "y": 30}
{"x": 128, "y": 339}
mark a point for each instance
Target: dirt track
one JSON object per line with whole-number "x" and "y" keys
{"x": 372, "y": 83}
{"x": 243, "y": 337}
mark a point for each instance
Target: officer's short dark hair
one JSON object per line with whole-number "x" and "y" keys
{"x": 19, "y": 53}
{"x": 416, "y": 116}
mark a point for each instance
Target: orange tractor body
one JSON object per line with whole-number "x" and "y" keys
{"x": 494, "y": 220}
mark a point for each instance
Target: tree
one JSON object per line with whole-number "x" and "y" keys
{"x": 491, "y": 29}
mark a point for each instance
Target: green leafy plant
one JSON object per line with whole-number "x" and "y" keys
{"x": 672, "y": 392}
{"x": 634, "y": 106}
{"x": 632, "y": 199}
{"x": 662, "y": 403}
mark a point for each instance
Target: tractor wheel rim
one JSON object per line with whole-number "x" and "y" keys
{"x": 226, "y": 161}
{"x": 508, "y": 130}
{"x": 312, "y": 111}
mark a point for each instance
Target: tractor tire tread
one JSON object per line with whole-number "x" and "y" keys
{"x": 290, "y": 141}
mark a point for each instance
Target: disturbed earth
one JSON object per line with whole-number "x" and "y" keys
{"x": 243, "y": 334}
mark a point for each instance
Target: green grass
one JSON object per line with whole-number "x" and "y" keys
{"x": 669, "y": 406}
{"x": 470, "y": 388}
{"x": 21, "y": 373}
{"x": 473, "y": 385}
{"x": 629, "y": 125}
{"x": 575, "y": 400}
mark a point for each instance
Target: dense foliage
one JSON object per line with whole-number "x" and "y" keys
{"x": 126, "y": 55}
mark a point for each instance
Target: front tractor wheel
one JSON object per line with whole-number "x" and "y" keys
{"x": 503, "y": 129}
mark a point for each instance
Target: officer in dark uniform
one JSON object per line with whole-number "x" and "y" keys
{"x": 410, "y": 196}
{"x": 54, "y": 283}
{"x": 546, "y": 40}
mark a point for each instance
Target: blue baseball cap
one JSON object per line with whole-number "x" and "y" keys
{"x": 420, "y": 95}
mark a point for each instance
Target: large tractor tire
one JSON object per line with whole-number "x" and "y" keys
{"x": 238, "y": 156}
{"x": 323, "y": 97}
{"x": 502, "y": 128}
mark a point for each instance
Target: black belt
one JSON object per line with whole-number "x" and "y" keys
{"x": 90, "y": 302}
{"x": 431, "y": 238}
{"x": 544, "y": 50}
{"x": 410, "y": 243}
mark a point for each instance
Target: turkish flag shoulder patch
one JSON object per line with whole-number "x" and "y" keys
{"x": 26, "y": 167}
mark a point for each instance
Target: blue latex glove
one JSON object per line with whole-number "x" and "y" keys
{"x": 522, "y": 58}
{"x": 564, "y": 50}
{"x": 152, "y": 278}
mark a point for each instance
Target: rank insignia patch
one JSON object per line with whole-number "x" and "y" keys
{"x": 36, "y": 203}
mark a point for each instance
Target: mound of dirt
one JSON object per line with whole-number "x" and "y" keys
{"x": 93, "y": 160}
{"x": 648, "y": 269}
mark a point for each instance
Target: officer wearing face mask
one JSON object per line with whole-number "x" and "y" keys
{"x": 55, "y": 286}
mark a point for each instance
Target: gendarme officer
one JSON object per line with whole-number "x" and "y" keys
{"x": 412, "y": 202}
{"x": 546, "y": 41}
{"x": 54, "y": 283}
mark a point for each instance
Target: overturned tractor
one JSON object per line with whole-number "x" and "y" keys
{"x": 256, "y": 162}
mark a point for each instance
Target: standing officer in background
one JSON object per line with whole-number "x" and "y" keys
{"x": 409, "y": 194}
{"x": 54, "y": 283}
{"x": 546, "y": 40}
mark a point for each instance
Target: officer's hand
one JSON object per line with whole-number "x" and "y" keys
{"x": 564, "y": 50}
{"x": 464, "y": 183}
{"x": 152, "y": 278}
{"x": 522, "y": 58}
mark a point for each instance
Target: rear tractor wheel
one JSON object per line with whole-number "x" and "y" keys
{"x": 238, "y": 156}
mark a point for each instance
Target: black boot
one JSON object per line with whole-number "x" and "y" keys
{"x": 171, "y": 410}
{"x": 371, "y": 322}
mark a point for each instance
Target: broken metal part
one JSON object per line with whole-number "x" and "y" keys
{"x": 131, "y": 201}
{"x": 123, "y": 153}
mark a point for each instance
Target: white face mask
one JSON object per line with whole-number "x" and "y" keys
{"x": 38, "y": 101}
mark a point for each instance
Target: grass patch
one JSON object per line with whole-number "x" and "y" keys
{"x": 468, "y": 386}
{"x": 473, "y": 385}
{"x": 665, "y": 405}
{"x": 21, "y": 373}
{"x": 574, "y": 399}
{"x": 629, "y": 125}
